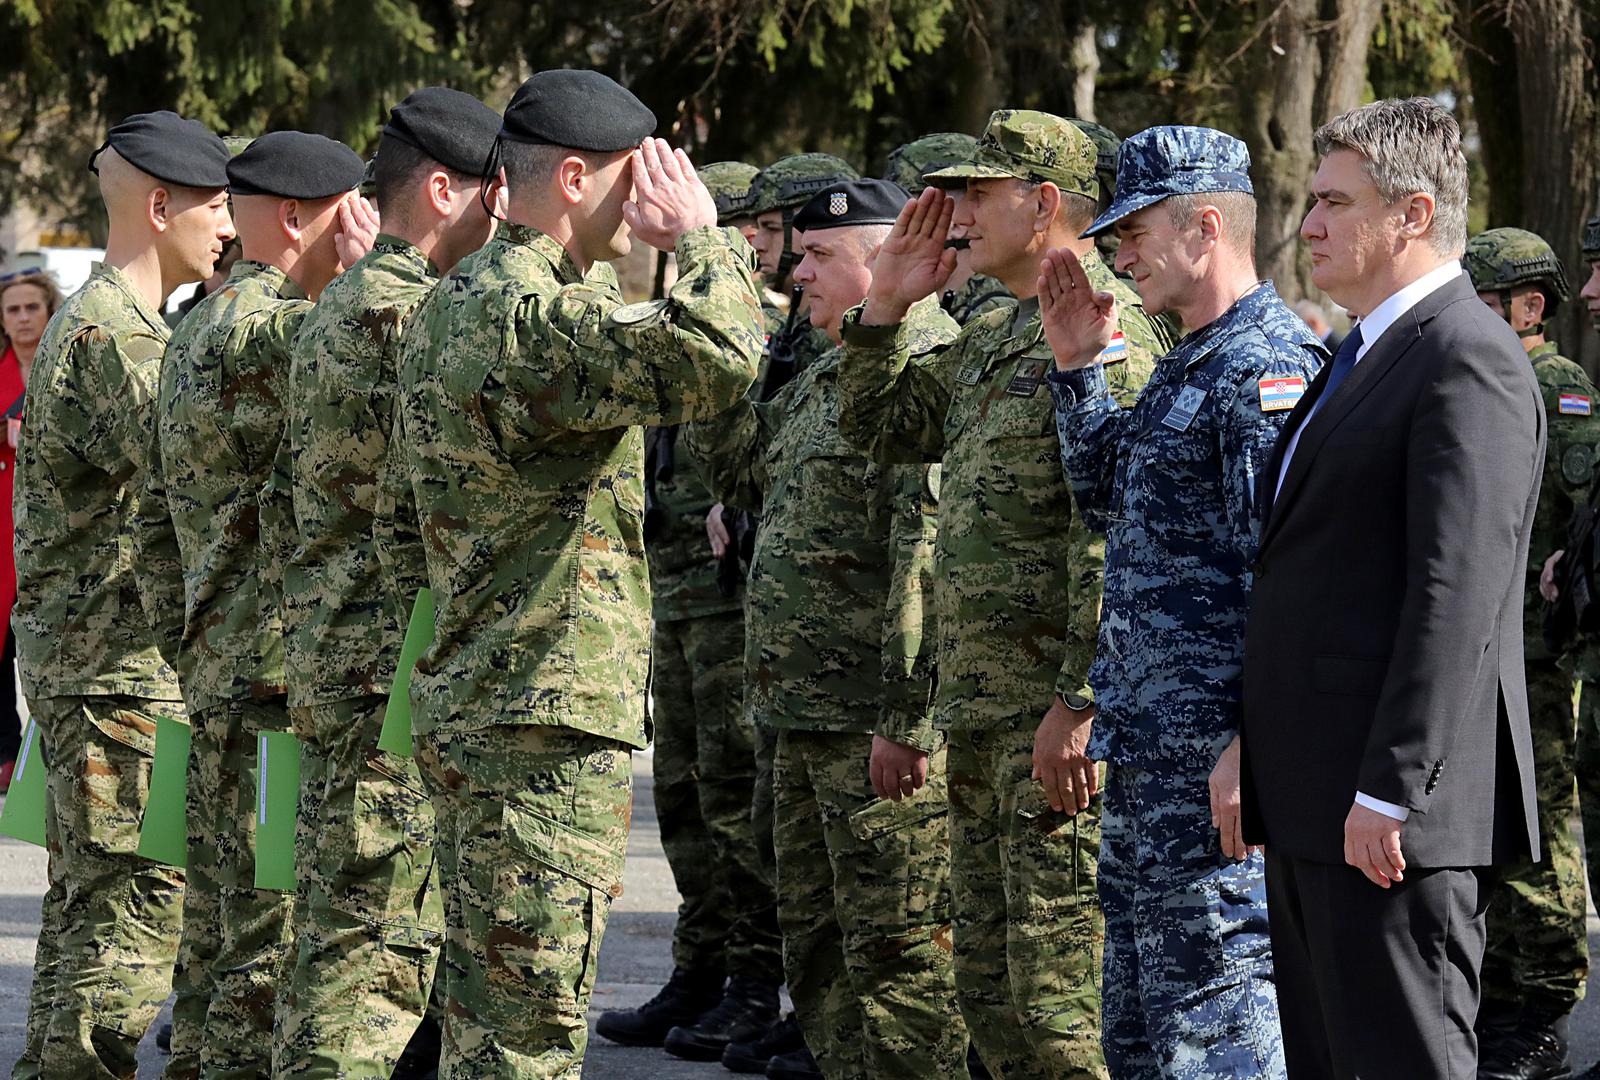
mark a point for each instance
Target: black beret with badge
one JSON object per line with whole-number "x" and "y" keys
{"x": 169, "y": 147}
{"x": 295, "y": 165}
{"x": 454, "y": 129}
{"x": 580, "y": 110}
{"x": 852, "y": 202}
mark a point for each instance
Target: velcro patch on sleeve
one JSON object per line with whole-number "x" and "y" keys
{"x": 1575, "y": 405}
{"x": 1281, "y": 394}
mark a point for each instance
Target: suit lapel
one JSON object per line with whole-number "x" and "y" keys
{"x": 1379, "y": 360}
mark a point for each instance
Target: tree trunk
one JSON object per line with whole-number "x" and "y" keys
{"x": 1492, "y": 70}
{"x": 1084, "y": 55}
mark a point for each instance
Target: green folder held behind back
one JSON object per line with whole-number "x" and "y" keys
{"x": 163, "y": 834}
{"x": 396, "y": 734}
{"x": 277, "y": 803}
{"x": 23, "y": 816}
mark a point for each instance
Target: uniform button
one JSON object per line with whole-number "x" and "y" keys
{"x": 1258, "y": 568}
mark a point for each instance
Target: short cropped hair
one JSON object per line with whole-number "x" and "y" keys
{"x": 398, "y": 167}
{"x": 1238, "y": 209}
{"x": 1409, "y": 145}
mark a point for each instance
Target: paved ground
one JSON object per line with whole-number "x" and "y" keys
{"x": 634, "y": 961}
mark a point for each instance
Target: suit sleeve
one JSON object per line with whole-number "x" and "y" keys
{"x": 1472, "y": 470}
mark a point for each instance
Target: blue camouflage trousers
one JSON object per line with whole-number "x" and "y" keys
{"x": 1187, "y": 990}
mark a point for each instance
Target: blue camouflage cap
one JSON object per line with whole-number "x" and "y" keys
{"x": 1163, "y": 161}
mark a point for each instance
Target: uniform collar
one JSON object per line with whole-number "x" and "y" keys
{"x": 123, "y": 283}
{"x": 545, "y": 246}
{"x": 267, "y": 277}
{"x": 1549, "y": 348}
{"x": 1251, "y": 309}
{"x": 389, "y": 244}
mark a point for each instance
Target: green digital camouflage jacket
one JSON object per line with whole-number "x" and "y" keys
{"x": 219, "y": 419}
{"x": 522, "y": 392}
{"x": 78, "y": 620}
{"x": 1017, "y": 584}
{"x": 842, "y": 573}
{"x": 342, "y": 629}
{"x": 1573, "y": 411}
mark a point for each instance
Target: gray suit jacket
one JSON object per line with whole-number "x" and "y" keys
{"x": 1383, "y": 651}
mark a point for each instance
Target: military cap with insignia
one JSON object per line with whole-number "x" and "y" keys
{"x": 853, "y": 202}
{"x": 295, "y": 165}
{"x": 1160, "y": 162}
{"x": 169, "y": 147}
{"x": 454, "y": 129}
{"x": 1023, "y": 144}
{"x": 580, "y": 110}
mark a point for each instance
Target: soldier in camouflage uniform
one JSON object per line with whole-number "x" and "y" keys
{"x": 966, "y": 295}
{"x": 1537, "y": 957}
{"x": 94, "y": 680}
{"x": 1017, "y": 587}
{"x": 219, "y": 419}
{"x": 1188, "y": 990}
{"x": 705, "y": 762}
{"x": 836, "y": 664}
{"x": 1107, "y": 145}
{"x": 522, "y": 388}
{"x": 369, "y": 920}
{"x": 1586, "y": 654}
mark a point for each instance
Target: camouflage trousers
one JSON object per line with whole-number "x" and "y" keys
{"x": 235, "y": 936}
{"x": 110, "y": 919}
{"x": 368, "y": 917}
{"x": 532, "y": 827}
{"x": 1587, "y": 766}
{"x": 1188, "y": 990}
{"x": 705, "y": 773}
{"x": 864, "y": 901}
{"x": 1537, "y": 954}
{"x": 1028, "y": 931}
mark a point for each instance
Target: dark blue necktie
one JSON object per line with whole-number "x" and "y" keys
{"x": 1343, "y": 362}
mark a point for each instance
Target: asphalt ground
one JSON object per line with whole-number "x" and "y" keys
{"x": 635, "y": 957}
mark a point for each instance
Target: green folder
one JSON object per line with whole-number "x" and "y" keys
{"x": 163, "y": 834}
{"x": 277, "y": 802}
{"x": 23, "y": 816}
{"x": 396, "y": 734}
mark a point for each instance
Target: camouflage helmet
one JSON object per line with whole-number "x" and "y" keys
{"x": 789, "y": 183}
{"x": 729, "y": 184}
{"x": 1591, "y": 238}
{"x": 1106, "y": 144}
{"x": 908, "y": 163}
{"x": 1499, "y": 260}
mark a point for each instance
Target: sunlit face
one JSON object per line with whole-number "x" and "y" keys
{"x": 836, "y": 272}
{"x": 602, "y": 234}
{"x": 1590, "y": 294}
{"x": 24, "y": 310}
{"x": 997, "y": 217}
{"x": 768, "y": 242}
{"x": 1160, "y": 257}
{"x": 1349, "y": 230}
{"x": 198, "y": 227}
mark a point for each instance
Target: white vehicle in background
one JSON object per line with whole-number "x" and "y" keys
{"x": 69, "y": 266}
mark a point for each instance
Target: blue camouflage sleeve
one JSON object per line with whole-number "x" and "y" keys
{"x": 1090, "y": 424}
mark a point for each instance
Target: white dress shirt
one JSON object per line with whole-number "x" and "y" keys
{"x": 1373, "y": 327}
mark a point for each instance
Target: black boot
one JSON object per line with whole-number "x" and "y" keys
{"x": 751, "y": 1057}
{"x": 685, "y": 998}
{"x": 420, "y": 1059}
{"x": 799, "y": 1065}
{"x": 1534, "y": 1049}
{"x": 745, "y": 1012}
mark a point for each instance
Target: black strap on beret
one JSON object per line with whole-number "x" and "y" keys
{"x": 454, "y": 129}
{"x": 852, "y": 202}
{"x": 168, "y": 147}
{"x": 295, "y": 165}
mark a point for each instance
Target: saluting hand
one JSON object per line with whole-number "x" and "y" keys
{"x": 913, "y": 262}
{"x": 1079, "y": 322}
{"x": 358, "y": 228}
{"x": 668, "y": 197}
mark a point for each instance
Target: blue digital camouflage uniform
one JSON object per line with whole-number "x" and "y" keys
{"x": 1173, "y": 482}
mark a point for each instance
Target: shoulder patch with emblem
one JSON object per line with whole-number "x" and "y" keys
{"x": 633, "y": 314}
{"x": 1116, "y": 351}
{"x": 1577, "y": 464}
{"x": 1185, "y": 408}
{"x": 1575, "y": 405}
{"x": 1280, "y": 393}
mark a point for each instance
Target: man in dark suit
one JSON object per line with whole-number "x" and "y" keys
{"x": 1388, "y": 762}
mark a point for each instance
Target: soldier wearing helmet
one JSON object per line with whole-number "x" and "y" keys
{"x": 729, "y": 183}
{"x": 1590, "y": 293}
{"x": 1536, "y": 958}
{"x": 966, "y": 295}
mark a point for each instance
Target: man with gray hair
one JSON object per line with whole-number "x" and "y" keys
{"x": 1388, "y": 764}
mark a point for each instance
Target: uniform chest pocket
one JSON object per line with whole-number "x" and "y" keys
{"x": 1019, "y": 418}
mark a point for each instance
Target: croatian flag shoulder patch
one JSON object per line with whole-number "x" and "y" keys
{"x": 1116, "y": 351}
{"x": 1575, "y": 405}
{"x": 1279, "y": 394}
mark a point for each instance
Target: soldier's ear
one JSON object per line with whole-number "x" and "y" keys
{"x": 1533, "y": 301}
{"x": 1049, "y": 206}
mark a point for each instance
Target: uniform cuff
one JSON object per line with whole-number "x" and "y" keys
{"x": 854, "y": 332}
{"x": 1078, "y": 385}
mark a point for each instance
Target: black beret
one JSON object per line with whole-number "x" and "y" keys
{"x": 171, "y": 148}
{"x": 295, "y": 165}
{"x": 454, "y": 129}
{"x": 580, "y": 110}
{"x": 852, "y": 202}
